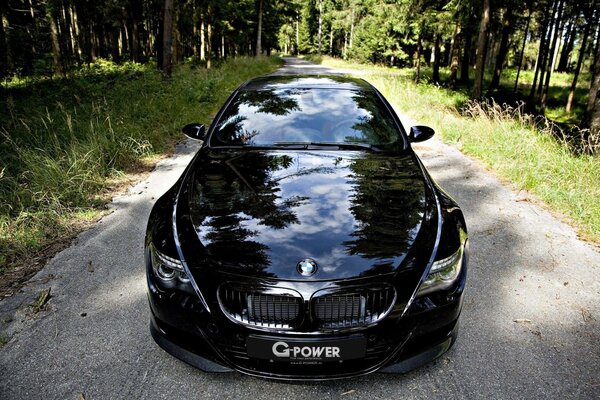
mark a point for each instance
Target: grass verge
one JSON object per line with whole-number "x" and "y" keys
{"x": 515, "y": 145}
{"x": 65, "y": 143}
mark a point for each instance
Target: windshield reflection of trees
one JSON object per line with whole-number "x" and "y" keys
{"x": 375, "y": 125}
{"x": 364, "y": 118}
{"x": 232, "y": 130}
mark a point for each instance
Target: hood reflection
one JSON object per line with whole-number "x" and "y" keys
{"x": 259, "y": 213}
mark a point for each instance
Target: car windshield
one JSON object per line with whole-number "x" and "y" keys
{"x": 309, "y": 116}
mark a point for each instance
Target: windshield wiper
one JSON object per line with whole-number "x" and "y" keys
{"x": 344, "y": 146}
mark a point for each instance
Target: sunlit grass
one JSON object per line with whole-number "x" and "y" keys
{"x": 62, "y": 141}
{"x": 518, "y": 147}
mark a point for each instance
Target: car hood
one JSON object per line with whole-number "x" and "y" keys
{"x": 258, "y": 213}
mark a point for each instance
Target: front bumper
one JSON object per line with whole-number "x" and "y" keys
{"x": 398, "y": 344}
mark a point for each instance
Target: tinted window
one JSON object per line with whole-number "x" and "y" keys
{"x": 265, "y": 117}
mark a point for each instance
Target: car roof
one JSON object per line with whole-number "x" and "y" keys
{"x": 273, "y": 82}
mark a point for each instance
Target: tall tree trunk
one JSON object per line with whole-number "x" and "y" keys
{"x": 418, "y": 59}
{"x": 546, "y": 59}
{"x": 351, "y": 27}
{"x": 521, "y": 57}
{"x": 503, "y": 50}
{"x": 563, "y": 63}
{"x": 4, "y": 44}
{"x": 586, "y": 33}
{"x": 466, "y": 58}
{"x": 259, "y": 29}
{"x": 135, "y": 40}
{"x": 56, "y": 53}
{"x": 436, "y": 61}
{"x": 331, "y": 39}
{"x": 209, "y": 38}
{"x": 541, "y": 53}
{"x": 167, "y": 42}
{"x": 455, "y": 54}
{"x": 592, "y": 115}
{"x": 320, "y": 34}
{"x": 177, "y": 48}
{"x": 484, "y": 29}
{"x": 202, "y": 39}
{"x": 297, "y": 35}
{"x": 550, "y": 63}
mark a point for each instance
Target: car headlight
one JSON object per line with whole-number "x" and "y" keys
{"x": 167, "y": 269}
{"x": 443, "y": 273}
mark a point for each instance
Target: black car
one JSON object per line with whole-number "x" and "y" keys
{"x": 305, "y": 240}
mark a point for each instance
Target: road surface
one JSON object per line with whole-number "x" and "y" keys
{"x": 529, "y": 328}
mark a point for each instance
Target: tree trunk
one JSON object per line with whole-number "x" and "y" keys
{"x": 331, "y": 39}
{"x": 135, "y": 40}
{"x": 297, "y": 36}
{"x": 418, "y": 59}
{"x": 455, "y": 55}
{"x": 484, "y": 28}
{"x": 167, "y": 42}
{"x": 4, "y": 44}
{"x": 223, "y": 45}
{"x": 546, "y": 58}
{"x": 259, "y": 29}
{"x": 466, "y": 58}
{"x": 592, "y": 115}
{"x": 584, "y": 40}
{"x": 436, "y": 61}
{"x": 550, "y": 63}
{"x": 320, "y": 35}
{"x": 209, "y": 39}
{"x": 351, "y": 27}
{"x": 563, "y": 63}
{"x": 541, "y": 52}
{"x": 523, "y": 48}
{"x": 56, "y": 53}
{"x": 202, "y": 40}
{"x": 503, "y": 50}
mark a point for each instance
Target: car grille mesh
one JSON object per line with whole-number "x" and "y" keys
{"x": 284, "y": 310}
{"x": 261, "y": 309}
{"x": 353, "y": 309}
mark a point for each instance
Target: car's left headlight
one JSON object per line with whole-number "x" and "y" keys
{"x": 443, "y": 273}
{"x": 167, "y": 269}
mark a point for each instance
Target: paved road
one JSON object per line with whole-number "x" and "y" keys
{"x": 525, "y": 266}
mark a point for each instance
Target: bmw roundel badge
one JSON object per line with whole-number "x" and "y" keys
{"x": 307, "y": 267}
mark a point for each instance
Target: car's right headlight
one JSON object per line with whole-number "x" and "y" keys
{"x": 443, "y": 273}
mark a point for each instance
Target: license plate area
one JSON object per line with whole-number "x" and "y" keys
{"x": 306, "y": 351}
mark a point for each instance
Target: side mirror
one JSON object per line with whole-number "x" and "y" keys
{"x": 195, "y": 131}
{"x": 420, "y": 133}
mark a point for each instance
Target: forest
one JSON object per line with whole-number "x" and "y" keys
{"x": 92, "y": 91}
{"x": 468, "y": 38}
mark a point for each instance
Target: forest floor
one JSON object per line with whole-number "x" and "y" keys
{"x": 529, "y": 328}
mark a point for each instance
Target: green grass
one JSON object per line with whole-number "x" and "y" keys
{"x": 62, "y": 142}
{"x": 517, "y": 146}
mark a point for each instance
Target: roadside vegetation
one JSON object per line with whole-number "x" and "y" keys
{"x": 73, "y": 124}
{"x": 532, "y": 152}
{"x": 66, "y": 142}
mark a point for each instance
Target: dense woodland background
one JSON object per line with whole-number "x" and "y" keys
{"x": 91, "y": 91}
{"x": 465, "y": 36}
